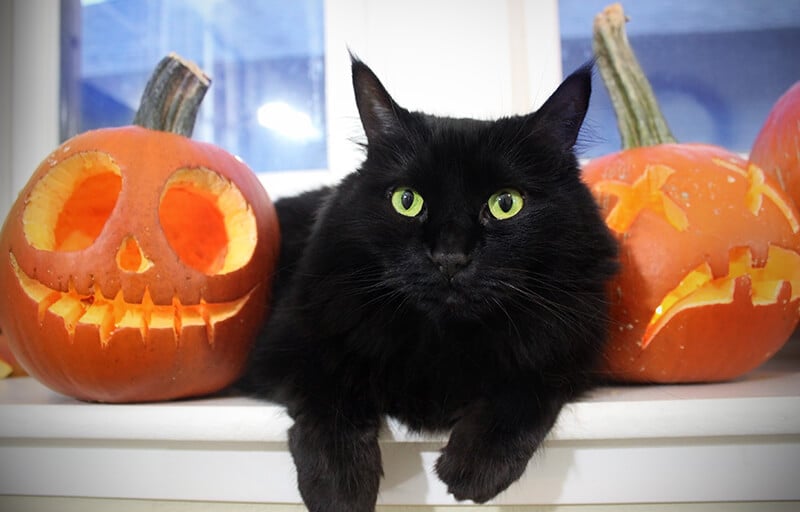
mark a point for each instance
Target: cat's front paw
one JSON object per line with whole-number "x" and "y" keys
{"x": 477, "y": 477}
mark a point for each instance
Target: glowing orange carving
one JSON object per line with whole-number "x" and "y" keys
{"x": 109, "y": 314}
{"x": 700, "y": 288}
{"x": 645, "y": 193}
{"x": 758, "y": 189}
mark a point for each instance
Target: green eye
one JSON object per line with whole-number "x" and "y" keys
{"x": 407, "y": 201}
{"x": 505, "y": 203}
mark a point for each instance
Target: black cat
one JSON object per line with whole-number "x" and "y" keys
{"x": 456, "y": 282}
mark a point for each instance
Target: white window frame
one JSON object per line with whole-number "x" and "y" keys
{"x": 483, "y": 58}
{"x": 29, "y": 67}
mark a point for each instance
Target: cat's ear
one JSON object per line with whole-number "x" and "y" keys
{"x": 565, "y": 109}
{"x": 379, "y": 113}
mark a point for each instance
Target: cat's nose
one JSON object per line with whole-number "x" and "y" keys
{"x": 450, "y": 263}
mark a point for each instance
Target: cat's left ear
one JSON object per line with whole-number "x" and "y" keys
{"x": 379, "y": 113}
{"x": 565, "y": 109}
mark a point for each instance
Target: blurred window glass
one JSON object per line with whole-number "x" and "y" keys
{"x": 716, "y": 67}
{"x": 266, "y": 60}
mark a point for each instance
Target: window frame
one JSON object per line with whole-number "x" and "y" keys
{"x": 29, "y": 108}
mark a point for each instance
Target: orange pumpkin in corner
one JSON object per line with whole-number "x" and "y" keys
{"x": 777, "y": 145}
{"x": 136, "y": 263}
{"x": 709, "y": 286}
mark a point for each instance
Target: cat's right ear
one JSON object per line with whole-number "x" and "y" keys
{"x": 379, "y": 113}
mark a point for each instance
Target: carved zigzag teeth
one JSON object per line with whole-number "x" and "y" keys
{"x": 111, "y": 314}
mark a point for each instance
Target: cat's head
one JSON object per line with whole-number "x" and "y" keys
{"x": 465, "y": 218}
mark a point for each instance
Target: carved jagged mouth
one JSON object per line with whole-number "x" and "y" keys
{"x": 111, "y": 314}
{"x": 701, "y": 288}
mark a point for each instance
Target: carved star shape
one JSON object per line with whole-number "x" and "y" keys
{"x": 758, "y": 189}
{"x": 643, "y": 194}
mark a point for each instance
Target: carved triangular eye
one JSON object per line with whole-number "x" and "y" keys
{"x": 207, "y": 221}
{"x": 68, "y": 208}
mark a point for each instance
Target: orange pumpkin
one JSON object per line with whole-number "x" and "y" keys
{"x": 709, "y": 286}
{"x": 135, "y": 266}
{"x": 777, "y": 146}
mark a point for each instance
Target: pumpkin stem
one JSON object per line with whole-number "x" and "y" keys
{"x": 172, "y": 96}
{"x": 639, "y": 117}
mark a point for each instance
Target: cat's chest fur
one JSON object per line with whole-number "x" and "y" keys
{"x": 419, "y": 371}
{"x": 440, "y": 372}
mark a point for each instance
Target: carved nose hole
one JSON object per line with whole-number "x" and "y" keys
{"x": 130, "y": 257}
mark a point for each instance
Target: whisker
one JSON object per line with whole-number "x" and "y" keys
{"x": 573, "y": 319}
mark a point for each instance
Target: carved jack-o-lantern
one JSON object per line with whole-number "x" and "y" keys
{"x": 135, "y": 266}
{"x": 709, "y": 286}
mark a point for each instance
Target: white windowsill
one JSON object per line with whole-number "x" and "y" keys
{"x": 737, "y": 441}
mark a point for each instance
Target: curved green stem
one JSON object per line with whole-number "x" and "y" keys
{"x": 639, "y": 117}
{"x": 172, "y": 96}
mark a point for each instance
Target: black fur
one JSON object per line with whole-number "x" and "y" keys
{"x": 449, "y": 321}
